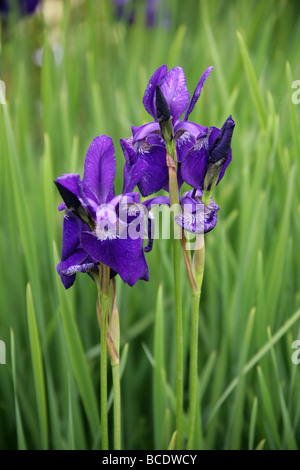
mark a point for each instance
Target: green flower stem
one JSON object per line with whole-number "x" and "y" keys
{"x": 198, "y": 271}
{"x": 103, "y": 291}
{"x": 174, "y": 203}
{"x": 113, "y": 343}
{"x": 117, "y": 406}
{"x": 193, "y": 370}
{"x": 179, "y": 343}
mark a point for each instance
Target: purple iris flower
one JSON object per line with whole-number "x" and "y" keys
{"x": 195, "y": 216}
{"x": 145, "y": 151}
{"x": 26, "y": 7}
{"x": 173, "y": 86}
{"x": 205, "y": 163}
{"x": 100, "y": 227}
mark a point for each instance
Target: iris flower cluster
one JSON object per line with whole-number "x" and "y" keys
{"x": 101, "y": 227}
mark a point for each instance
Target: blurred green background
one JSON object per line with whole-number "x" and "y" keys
{"x": 91, "y": 81}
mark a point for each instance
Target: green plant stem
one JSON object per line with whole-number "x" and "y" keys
{"x": 113, "y": 343}
{"x": 117, "y": 406}
{"x": 193, "y": 389}
{"x": 174, "y": 203}
{"x": 198, "y": 271}
{"x": 103, "y": 379}
{"x": 179, "y": 343}
{"x": 103, "y": 287}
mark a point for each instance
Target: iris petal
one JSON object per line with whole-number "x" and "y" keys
{"x": 149, "y": 95}
{"x": 100, "y": 168}
{"x": 141, "y": 132}
{"x": 194, "y": 164}
{"x": 77, "y": 262}
{"x": 173, "y": 86}
{"x": 72, "y": 182}
{"x": 197, "y": 93}
{"x": 149, "y": 169}
{"x": 196, "y": 217}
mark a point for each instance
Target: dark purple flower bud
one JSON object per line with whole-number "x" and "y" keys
{"x": 163, "y": 114}
{"x": 204, "y": 165}
{"x": 218, "y": 153}
{"x": 174, "y": 89}
{"x": 219, "y": 150}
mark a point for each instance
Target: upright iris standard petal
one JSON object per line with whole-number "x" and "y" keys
{"x": 197, "y": 93}
{"x": 174, "y": 89}
{"x": 149, "y": 95}
{"x": 100, "y": 168}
